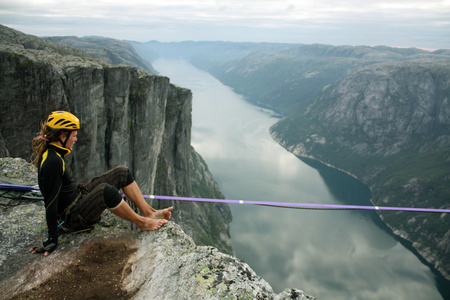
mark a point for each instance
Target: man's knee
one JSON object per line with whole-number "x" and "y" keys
{"x": 111, "y": 196}
{"x": 129, "y": 178}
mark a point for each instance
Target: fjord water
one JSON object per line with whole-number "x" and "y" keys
{"x": 328, "y": 254}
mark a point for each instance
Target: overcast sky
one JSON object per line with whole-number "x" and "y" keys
{"x": 408, "y": 23}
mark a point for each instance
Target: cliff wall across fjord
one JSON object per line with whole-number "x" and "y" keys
{"x": 388, "y": 125}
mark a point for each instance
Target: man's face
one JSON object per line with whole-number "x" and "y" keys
{"x": 71, "y": 140}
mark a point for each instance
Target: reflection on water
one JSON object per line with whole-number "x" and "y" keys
{"x": 328, "y": 254}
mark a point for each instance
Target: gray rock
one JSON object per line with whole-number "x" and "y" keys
{"x": 166, "y": 265}
{"x": 194, "y": 272}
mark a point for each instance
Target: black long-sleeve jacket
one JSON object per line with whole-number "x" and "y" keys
{"x": 57, "y": 186}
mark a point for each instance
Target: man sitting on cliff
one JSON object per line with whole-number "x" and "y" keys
{"x": 71, "y": 208}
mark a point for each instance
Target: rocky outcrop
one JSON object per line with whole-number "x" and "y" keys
{"x": 128, "y": 117}
{"x": 113, "y": 259}
{"x": 388, "y": 125}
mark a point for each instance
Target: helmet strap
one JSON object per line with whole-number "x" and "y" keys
{"x": 67, "y": 134}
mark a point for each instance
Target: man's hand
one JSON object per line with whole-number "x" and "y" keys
{"x": 46, "y": 247}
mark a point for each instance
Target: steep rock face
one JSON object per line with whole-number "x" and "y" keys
{"x": 390, "y": 106}
{"x": 387, "y": 124}
{"x": 120, "y": 112}
{"x": 127, "y": 117}
{"x": 213, "y": 222}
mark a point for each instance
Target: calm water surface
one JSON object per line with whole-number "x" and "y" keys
{"x": 328, "y": 254}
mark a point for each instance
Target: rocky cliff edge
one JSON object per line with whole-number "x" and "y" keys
{"x": 113, "y": 259}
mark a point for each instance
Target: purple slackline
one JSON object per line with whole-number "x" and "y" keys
{"x": 274, "y": 204}
{"x": 300, "y": 205}
{"x": 13, "y": 187}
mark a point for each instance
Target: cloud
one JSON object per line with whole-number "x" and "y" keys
{"x": 346, "y": 22}
{"x": 319, "y": 254}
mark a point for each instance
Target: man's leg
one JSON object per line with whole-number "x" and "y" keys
{"x": 133, "y": 192}
{"x": 121, "y": 178}
{"x": 124, "y": 211}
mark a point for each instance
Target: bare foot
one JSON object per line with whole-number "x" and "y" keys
{"x": 161, "y": 213}
{"x": 149, "y": 224}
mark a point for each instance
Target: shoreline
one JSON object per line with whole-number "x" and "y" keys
{"x": 442, "y": 282}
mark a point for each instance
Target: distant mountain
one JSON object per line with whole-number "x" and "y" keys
{"x": 112, "y": 51}
{"x": 44, "y": 50}
{"x": 204, "y": 54}
{"x": 284, "y": 77}
{"x": 288, "y": 80}
{"x": 359, "y": 52}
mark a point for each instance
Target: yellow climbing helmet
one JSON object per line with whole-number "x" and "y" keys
{"x": 62, "y": 120}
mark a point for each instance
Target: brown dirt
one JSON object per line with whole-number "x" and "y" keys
{"x": 98, "y": 274}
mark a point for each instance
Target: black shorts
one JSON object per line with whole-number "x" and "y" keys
{"x": 103, "y": 193}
